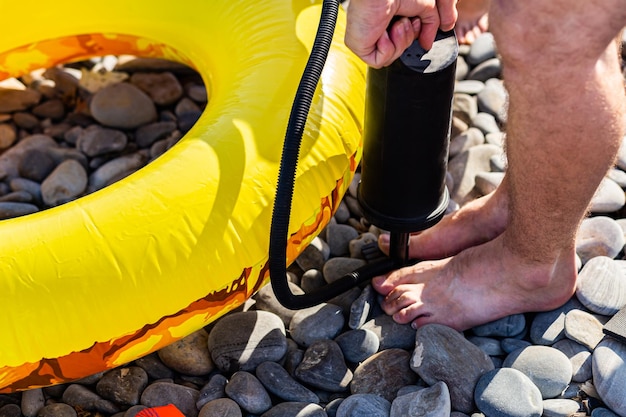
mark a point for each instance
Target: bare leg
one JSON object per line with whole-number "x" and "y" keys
{"x": 565, "y": 122}
{"x": 473, "y": 19}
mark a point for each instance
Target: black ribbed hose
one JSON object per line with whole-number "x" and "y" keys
{"x": 286, "y": 178}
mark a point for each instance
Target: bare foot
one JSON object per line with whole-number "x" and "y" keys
{"x": 477, "y": 222}
{"x": 479, "y": 285}
{"x": 472, "y": 21}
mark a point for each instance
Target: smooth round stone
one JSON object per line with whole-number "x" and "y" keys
{"x": 362, "y": 307}
{"x": 549, "y": 327}
{"x": 295, "y": 409}
{"x": 602, "y": 412}
{"x": 25, "y": 120}
{"x": 560, "y": 408}
{"x": 585, "y": 328}
{"x": 489, "y": 345}
{"x": 96, "y": 140}
{"x": 427, "y": 402}
{"x": 10, "y": 209}
{"x": 123, "y": 385}
{"x": 159, "y": 394}
{"x": 383, "y": 374}
{"x": 223, "y": 407}
{"x": 338, "y": 237}
{"x": 364, "y": 240}
{"x": 358, "y": 345}
{"x": 336, "y": 268}
{"x": 471, "y": 87}
{"x": 323, "y": 366}
{"x": 579, "y": 356}
{"x": 36, "y": 164}
{"x": 466, "y": 165}
{"x": 491, "y": 68}
{"x": 342, "y": 215}
{"x": 80, "y": 396}
{"x": 443, "y": 354}
{"x": 464, "y": 106}
{"x": 391, "y": 334}
{"x": 508, "y": 392}
{"x": 162, "y": 87}
{"x": 17, "y": 100}
{"x": 548, "y": 368}
{"x": 243, "y": 340}
{"x": 278, "y": 382}
{"x": 601, "y": 286}
{"x": 13, "y": 410}
{"x": 122, "y": 105}
{"x": 311, "y": 280}
{"x": 146, "y": 135}
{"x": 510, "y": 344}
{"x": 618, "y": 176}
{"x": 487, "y": 182}
{"x": 213, "y": 390}
{"x": 53, "y": 410}
{"x": 608, "y": 198}
{"x": 358, "y": 405}
{"x": 189, "y": 355}
{"x": 323, "y": 321}
{"x": 247, "y": 391}
{"x": 466, "y": 140}
{"x": 493, "y": 99}
{"x": 66, "y": 182}
{"x": 116, "y": 169}
{"x": 154, "y": 367}
{"x": 508, "y": 326}
{"x": 461, "y": 68}
{"x": 482, "y": 49}
{"x": 599, "y": 236}
{"x": 32, "y": 401}
{"x": 609, "y": 374}
{"x": 486, "y": 123}
{"x": 266, "y": 301}
{"x": 311, "y": 258}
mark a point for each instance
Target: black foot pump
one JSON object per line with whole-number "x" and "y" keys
{"x": 406, "y": 136}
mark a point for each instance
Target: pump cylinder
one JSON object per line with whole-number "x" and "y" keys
{"x": 408, "y": 112}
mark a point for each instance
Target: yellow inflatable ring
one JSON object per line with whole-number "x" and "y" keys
{"x": 103, "y": 280}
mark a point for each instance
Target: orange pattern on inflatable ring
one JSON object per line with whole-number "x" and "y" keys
{"x": 103, "y": 280}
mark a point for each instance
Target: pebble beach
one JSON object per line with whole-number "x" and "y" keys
{"x": 61, "y": 139}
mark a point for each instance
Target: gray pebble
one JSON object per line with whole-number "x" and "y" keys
{"x": 489, "y": 345}
{"x": 482, "y": 49}
{"x": 491, "y": 68}
{"x": 17, "y": 100}
{"x": 311, "y": 258}
{"x": 122, "y": 105}
{"x": 466, "y": 140}
{"x": 585, "y": 328}
{"x": 13, "y": 410}
{"x": 163, "y": 88}
{"x": 509, "y": 344}
{"x": 123, "y": 385}
{"x": 247, "y": 391}
{"x": 323, "y": 321}
{"x": 433, "y": 401}
{"x": 579, "y": 356}
{"x": 243, "y": 340}
{"x": 311, "y": 280}
{"x": 471, "y": 87}
{"x": 601, "y": 286}
{"x": 486, "y": 123}
{"x": 602, "y": 412}
{"x": 66, "y": 182}
{"x": 466, "y": 165}
{"x": 213, "y": 390}
{"x": 443, "y": 354}
{"x": 295, "y": 409}
{"x": 508, "y": 326}
{"x": 336, "y": 268}
{"x": 36, "y": 164}
{"x": 32, "y": 401}
{"x": 159, "y": 394}
{"x": 278, "y": 382}
{"x": 154, "y": 367}
{"x": 508, "y": 392}
{"x": 560, "y": 408}
{"x": 356, "y": 245}
{"x": 56, "y": 410}
{"x": 222, "y": 407}
{"x": 115, "y": 170}
{"x": 266, "y": 300}
{"x": 79, "y": 396}
{"x": 357, "y": 345}
{"x": 96, "y": 140}
{"x": 464, "y": 106}
{"x": 359, "y": 405}
{"x": 549, "y": 327}
{"x": 599, "y": 236}
{"x": 493, "y": 99}
{"x": 548, "y": 368}
{"x": 338, "y": 237}
{"x": 391, "y": 334}
{"x": 608, "y": 198}
{"x": 362, "y": 307}
{"x": 324, "y": 367}
{"x": 609, "y": 374}
{"x": 383, "y": 374}
{"x": 618, "y": 176}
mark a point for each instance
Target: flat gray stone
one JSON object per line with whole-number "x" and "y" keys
{"x": 324, "y": 367}
{"x": 383, "y": 374}
{"x": 427, "y": 402}
{"x": 391, "y": 334}
{"x": 579, "y": 356}
{"x": 508, "y": 392}
{"x": 601, "y": 286}
{"x": 358, "y": 405}
{"x": 189, "y": 355}
{"x": 278, "y": 382}
{"x": 247, "y": 391}
{"x": 549, "y": 327}
{"x": 323, "y": 321}
{"x": 609, "y": 374}
{"x": 160, "y": 394}
{"x": 508, "y": 326}
{"x": 295, "y": 409}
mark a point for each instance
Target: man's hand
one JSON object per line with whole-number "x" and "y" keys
{"x": 370, "y": 37}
